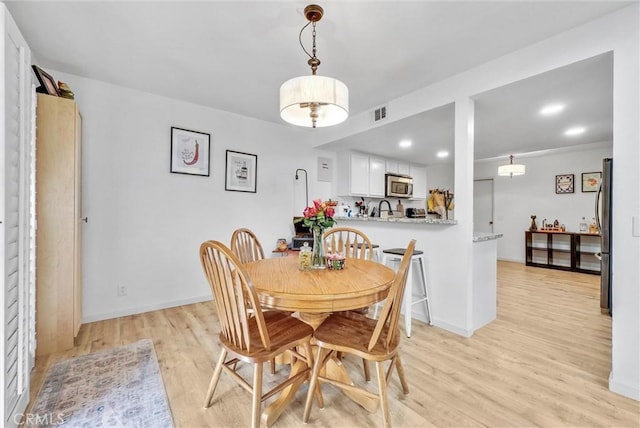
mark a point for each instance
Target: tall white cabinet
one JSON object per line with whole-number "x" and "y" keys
{"x": 59, "y": 218}
{"x": 16, "y": 151}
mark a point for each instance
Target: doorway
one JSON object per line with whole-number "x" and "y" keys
{"x": 483, "y": 205}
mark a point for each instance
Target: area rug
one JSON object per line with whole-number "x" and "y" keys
{"x": 120, "y": 387}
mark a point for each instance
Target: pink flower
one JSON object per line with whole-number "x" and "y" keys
{"x": 317, "y": 203}
{"x": 329, "y": 212}
{"x": 309, "y": 212}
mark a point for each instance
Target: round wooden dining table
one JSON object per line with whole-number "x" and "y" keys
{"x": 314, "y": 295}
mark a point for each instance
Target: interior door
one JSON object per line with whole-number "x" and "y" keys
{"x": 483, "y": 205}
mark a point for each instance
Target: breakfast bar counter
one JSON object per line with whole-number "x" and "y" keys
{"x": 458, "y": 262}
{"x": 393, "y": 220}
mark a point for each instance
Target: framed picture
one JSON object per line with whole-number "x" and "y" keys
{"x": 48, "y": 84}
{"x": 564, "y": 183}
{"x": 591, "y": 181}
{"x": 325, "y": 169}
{"x": 241, "y": 172}
{"x": 189, "y": 152}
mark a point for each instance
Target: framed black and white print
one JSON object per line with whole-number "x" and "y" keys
{"x": 241, "y": 172}
{"x": 564, "y": 183}
{"x": 190, "y": 152}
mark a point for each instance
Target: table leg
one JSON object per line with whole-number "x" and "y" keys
{"x": 335, "y": 370}
{"x": 273, "y": 411}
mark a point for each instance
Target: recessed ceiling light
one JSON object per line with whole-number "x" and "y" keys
{"x": 442, "y": 154}
{"x": 551, "y": 109}
{"x": 576, "y": 130}
{"x": 405, "y": 144}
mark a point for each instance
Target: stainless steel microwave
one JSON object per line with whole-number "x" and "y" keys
{"x": 398, "y": 186}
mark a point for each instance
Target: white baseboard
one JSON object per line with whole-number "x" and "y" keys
{"x": 631, "y": 391}
{"x": 142, "y": 309}
{"x": 511, "y": 259}
{"x": 452, "y": 328}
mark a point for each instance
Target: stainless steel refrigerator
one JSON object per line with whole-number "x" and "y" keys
{"x": 603, "y": 220}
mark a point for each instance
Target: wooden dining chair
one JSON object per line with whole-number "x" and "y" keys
{"x": 373, "y": 340}
{"x": 251, "y": 336}
{"x": 246, "y": 245}
{"x": 351, "y": 242}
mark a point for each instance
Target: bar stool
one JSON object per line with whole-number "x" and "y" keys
{"x": 395, "y": 255}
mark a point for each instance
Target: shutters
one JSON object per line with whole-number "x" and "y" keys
{"x": 15, "y": 232}
{"x": 12, "y": 223}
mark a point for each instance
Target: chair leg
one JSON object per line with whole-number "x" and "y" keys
{"x": 215, "y": 378}
{"x": 367, "y": 371}
{"x": 272, "y": 363}
{"x": 313, "y": 383}
{"x": 256, "y": 396}
{"x": 310, "y": 363}
{"x": 382, "y": 390}
{"x": 403, "y": 380}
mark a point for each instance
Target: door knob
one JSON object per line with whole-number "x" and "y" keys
{"x": 85, "y": 219}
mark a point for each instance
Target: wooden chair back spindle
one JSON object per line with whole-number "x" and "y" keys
{"x": 351, "y": 242}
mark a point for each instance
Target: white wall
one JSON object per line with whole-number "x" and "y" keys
{"x": 517, "y": 198}
{"x": 145, "y": 224}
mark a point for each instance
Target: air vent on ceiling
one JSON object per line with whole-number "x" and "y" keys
{"x": 380, "y": 113}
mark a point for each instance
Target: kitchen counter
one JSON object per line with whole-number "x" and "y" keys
{"x": 400, "y": 220}
{"x": 481, "y": 236}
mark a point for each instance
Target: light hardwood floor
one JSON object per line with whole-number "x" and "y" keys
{"x": 545, "y": 361}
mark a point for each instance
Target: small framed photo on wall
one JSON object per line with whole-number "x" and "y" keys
{"x": 241, "y": 172}
{"x": 591, "y": 181}
{"x": 564, "y": 183}
{"x": 189, "y": 152}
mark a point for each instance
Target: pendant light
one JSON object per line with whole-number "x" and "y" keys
{"x": 313, "y": 101}
{"x": 511, "y": 169}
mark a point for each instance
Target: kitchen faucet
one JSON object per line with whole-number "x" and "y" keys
{"x": 380, "y": 208}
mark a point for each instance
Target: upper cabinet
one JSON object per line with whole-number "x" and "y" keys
{"x": 360, "y": 175}
{"x": 396, "y": 167}
{"x": 419, "y": 175}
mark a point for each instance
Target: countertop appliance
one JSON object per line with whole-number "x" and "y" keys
{"x": 303, "y": 234}
{"x": 416, "y": 213}
{"x": 398, "y": 186}
{"x": 604, "y": 222}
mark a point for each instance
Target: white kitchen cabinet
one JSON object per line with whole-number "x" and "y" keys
{"x": 376, "y": 177}
{"x": 396, "y": 167}
{"x": 391, "y": 166}
{"x": 404, "y": 169}
{"x": 353, "y": 174}
{"x": 419, "y": 174}
{"x": 360, "y": 175}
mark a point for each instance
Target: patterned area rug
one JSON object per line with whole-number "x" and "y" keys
{"x": 120, "y": 387}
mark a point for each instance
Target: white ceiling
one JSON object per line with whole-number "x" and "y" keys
{"x": 234, "y": 56}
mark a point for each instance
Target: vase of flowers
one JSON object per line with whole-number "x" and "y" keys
{"x": 318, "y": 218}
